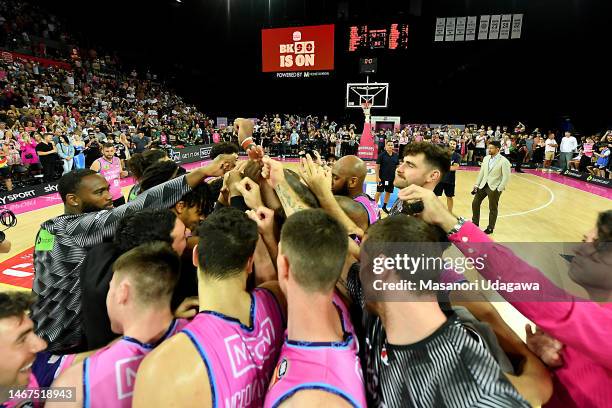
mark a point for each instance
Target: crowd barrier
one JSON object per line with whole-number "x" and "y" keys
{"x": 184, "y": 155}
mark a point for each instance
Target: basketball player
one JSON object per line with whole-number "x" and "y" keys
{"x": 424, "y": 164}
{"x": 62, "y": 242}
{"x": 19, "y": 347}
{"x": 447, "y": 185}
{"x": 348, "y": 177}
{"x": 226, "y": 355}
{"x": 111, "y": 168}
{"x": 415, "y": 354}
{"x": 320, "y": 345}
{"x": 492, "y": 180}
{"x": 386, "y": 165}
{"x": 138, "y": 304}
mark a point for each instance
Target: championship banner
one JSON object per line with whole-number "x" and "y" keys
{"x": 517, "y": 24}
{"x": 440, "y": 24}
{"x": 367, "y": 150}
{"x": 292, "y": 49}
{"x": 504, "y": 31}
{"x": 470, "y": 28}
{"x": 494, "y": 28}
{"x": 460, "y": 29}
{"x": 450, "y": 29}
{"x": 483, "y": 31}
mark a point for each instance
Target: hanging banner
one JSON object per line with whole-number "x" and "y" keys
{"x": 460, "y": 29}
{"x": 517, "y": 25}
{"x": 450, "y": 29}
{"x": 504, "y": 31}
{"x": 483, "y": 30}
{"x": 440, "y": 24}
{"x": 470, "y": 28}
{"x": 494, "y": 28}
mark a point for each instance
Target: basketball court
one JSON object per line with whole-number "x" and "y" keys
{"x": 536, "y": 207}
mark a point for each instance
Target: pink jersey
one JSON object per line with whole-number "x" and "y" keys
{"x": 370, "y": 206}
{"x": 333, "y": 367}
{"x": 239, "y": 359}
{"x": 109, "y": 375}
{"x": 111, "y": 171}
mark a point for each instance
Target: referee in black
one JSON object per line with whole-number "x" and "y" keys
{"x": 386, "y": 164}
{"x": 447, "y": 185}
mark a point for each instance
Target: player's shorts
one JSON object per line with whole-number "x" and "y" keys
{"x": 385, "y": 185}
{"x": 446, "y": 188}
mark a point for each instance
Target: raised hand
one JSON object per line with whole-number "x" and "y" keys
{"x": 264, "y": 217}
{"x": 318, "y": 179}
{"x": 250, "y": 191}
{"x": 272, "y": 171}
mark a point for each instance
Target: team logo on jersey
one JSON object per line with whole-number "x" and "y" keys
{"x": 383, "y": 356}
{"x": 279, "y": 372}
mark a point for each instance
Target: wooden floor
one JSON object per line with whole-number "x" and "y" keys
{"x": 532, "y": 209}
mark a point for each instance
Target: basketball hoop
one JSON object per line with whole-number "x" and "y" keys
{"x": 366, "y": 110}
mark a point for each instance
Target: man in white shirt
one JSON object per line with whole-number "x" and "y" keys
{"x": 481, "y": 145}
{"x": 492, "y": 180}
{"x": 567, "y": 148}
{"x": 549, "y": 151}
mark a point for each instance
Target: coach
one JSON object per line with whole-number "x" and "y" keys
{"x": 386, "y": 164}
{"x": 492, "y": 180}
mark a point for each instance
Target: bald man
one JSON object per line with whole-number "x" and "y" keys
{"x": 349, "y": 174}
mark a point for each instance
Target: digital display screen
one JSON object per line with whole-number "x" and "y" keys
{"x": 373, "y": 37}
{"x": 309, "y": 48}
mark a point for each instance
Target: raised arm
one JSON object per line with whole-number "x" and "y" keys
{"x": 273, "y": 173}
{"x": 92, "y": 228}
{"x": 577, "y": 322}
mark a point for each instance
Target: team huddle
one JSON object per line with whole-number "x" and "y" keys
{"x": 243, "y": 284}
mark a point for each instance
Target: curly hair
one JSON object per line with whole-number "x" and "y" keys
{"x": 15, "y": 304}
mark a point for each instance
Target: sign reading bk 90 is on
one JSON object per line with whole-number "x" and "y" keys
{"x": 309, "y": 48}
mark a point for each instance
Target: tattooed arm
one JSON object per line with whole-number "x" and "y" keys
{"x": 274, "y": 175}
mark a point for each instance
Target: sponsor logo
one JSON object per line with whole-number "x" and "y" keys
{"x": 205, "y": 152}
{"x": 51, "y": 188}
{"x": 251, "y": 352}
{"x": 125, "y": 373}
{"x": 9, "y": 198}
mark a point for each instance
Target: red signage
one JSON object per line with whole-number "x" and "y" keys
{"x": 18, "y": 270}
{"x": 291, "y": 49}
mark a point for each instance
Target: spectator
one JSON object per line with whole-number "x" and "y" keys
{"x": 28, "y": 151}
{"x": 79, "y": 147}
{"x": 567, "y": 148}
{"x": 549, "y": 151}
{"x": 66, "y": 151}
{"x": 47, "y": 154}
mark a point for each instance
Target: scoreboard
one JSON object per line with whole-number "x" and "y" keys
{"x": 372, "y": 37}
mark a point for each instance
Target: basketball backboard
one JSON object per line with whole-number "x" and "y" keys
{"x": 376, "y": 94}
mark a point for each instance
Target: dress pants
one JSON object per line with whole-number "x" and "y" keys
{"x": 493, "y": 201}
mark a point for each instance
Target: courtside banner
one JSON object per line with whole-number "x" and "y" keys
{"x": 298, "y": 49}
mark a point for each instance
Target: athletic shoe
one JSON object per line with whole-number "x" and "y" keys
{"x": 488, "y": 231}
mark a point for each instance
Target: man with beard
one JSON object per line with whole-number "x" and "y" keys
{"x": 423, "y": 164}
{"x": 89, "y": 218}
{"x": 348, "y": 176}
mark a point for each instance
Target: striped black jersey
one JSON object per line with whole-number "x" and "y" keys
{"x": 451, "y": 368}
{"x": 61, "y": 246}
